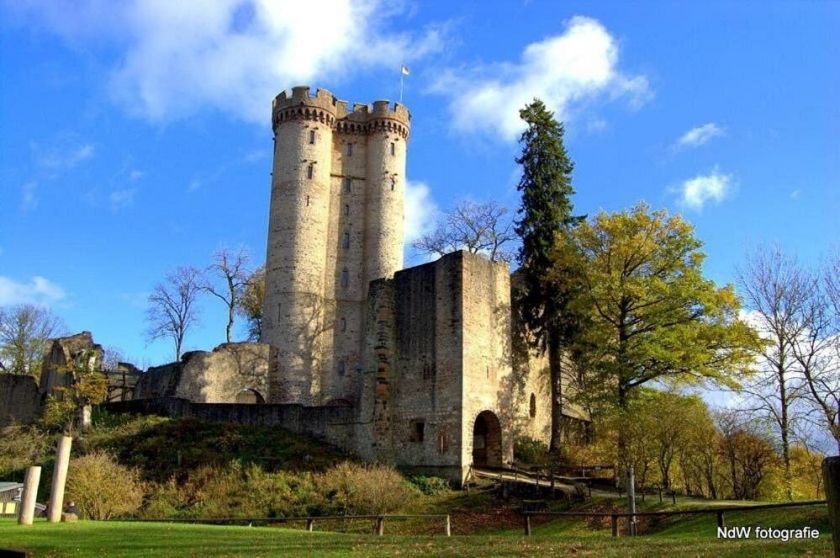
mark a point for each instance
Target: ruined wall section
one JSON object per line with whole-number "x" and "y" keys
{"x": 223, "y": 374}
{"x": 20, "y": 401}
{"x": 487, "y": 371}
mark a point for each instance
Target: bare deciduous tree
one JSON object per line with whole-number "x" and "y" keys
{"x": 776, "y": 290}
{"x": 479, "y": 228}
{"x": 817, "y": 347}
{"x": 24, "y": 332}
{"x": 172, "y": 309}
{"x": 228, "y": 278}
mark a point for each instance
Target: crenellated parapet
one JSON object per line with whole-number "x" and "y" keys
{"x": 324, "y": 107}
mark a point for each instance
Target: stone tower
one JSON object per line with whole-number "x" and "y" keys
{"x": 335, "y": 224}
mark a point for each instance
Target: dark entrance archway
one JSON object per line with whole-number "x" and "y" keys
{"x": 251, "y": 396}
{"x": 487, "y": 440}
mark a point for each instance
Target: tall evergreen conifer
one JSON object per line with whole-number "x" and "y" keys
{"x": 545, "y": 219}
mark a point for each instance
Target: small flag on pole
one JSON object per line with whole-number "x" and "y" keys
{"x": 404, "y": 70}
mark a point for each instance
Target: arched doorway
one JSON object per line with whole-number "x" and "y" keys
{"x": 250, "y": 396}
{"x": 487, "y": 440}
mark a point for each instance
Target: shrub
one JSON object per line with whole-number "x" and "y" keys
{"x": 21, "y": 446}
{"x": 353, "y": 489}
{"x": 430, "y": 485}
{"x": 529, "y": 450}
{"x": 102, "y": 488}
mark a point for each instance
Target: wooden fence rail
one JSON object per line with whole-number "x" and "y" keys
{"x": 378, "y": 526}
{"x": 719, "y": 511}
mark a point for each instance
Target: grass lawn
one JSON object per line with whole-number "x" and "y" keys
{"x": 694, "y": 537}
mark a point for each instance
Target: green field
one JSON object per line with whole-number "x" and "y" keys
{"x": 688, "y": 537}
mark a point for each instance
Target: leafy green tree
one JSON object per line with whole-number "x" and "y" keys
{"x": 545, "y": 216}
{"x": 653, "y": 317}
{"x": 250, "y": 303}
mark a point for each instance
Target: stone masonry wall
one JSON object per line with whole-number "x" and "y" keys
{"x": 20, "y": 400}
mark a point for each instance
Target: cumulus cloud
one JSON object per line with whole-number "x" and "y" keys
{"x": 420, "y": 211}
{"x": 233, "y": 55}
{"x": 37, "y": 290}
{"x": 699, "y": 135}
{"x": 566, "y": 71}
{"x": 697, "y": 191}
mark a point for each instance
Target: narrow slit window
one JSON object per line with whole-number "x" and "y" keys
{"x": 310, "y": 171}
{"x": 346, "y": 210}
{"x": 393, "y": 183}
{"x": 345, "y": 240}
{"x": 418, "y": 431}
{"x": 342, "y": 368}
{"x": 393, "y": 148}
{"x": 343, "y": 324}
{"x": 349, "y": 149}
{"x": 345, "y": 278}
{"x": 279, "y": 311}
{"x": 348, "y": 185}
{"x": 307, "y": 201}
{"x": 311, "y": 136}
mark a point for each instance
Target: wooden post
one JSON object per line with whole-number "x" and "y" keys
{"x": 30, "y": 493}
{"x": 631, "y": 501}
{"x": 614, "y": 524}
{"x": 59, "y": 480}
{"x": 447, "y": 529}
{"x": 527, "y": 525}
{"x": 720, "y": 520}
{"x": 831, "y": 481}
{"x": 380, "y": 525}
{"x": 660, "y": 494}
{"x": 551, "y": 472}
{"x": 674, "y": 497}
{"x": 310, "y": 524}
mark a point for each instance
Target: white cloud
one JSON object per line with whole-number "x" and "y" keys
{"x": 29, "y": 196}
{"x": 38, "y": 290}
{"x": 233, "y": 55}
{"x": 795, "y": 194}
{"x": 714, "y": 187}
{"x": 699, "y": 135}
{"x": 420, "y": 211}
{"x": 565, "y": 71}
{"x": 122, "y": 198}
{"x": 136, "y": 175}
{"x": 62, "y": 154}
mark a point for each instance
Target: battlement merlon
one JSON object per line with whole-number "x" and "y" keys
{"x": 324, "y": 106}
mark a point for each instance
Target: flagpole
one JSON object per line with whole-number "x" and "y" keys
{"x": 402, "y": 76}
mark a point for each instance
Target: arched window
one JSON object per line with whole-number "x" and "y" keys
{"x": 533, "y": 407}
{"x": 348, "y": 184}
{"x": 345, "y": 240}
{"x": 311, "y": 136}
{"x": 341, "y": 368}
{"x": 345, "y": 278}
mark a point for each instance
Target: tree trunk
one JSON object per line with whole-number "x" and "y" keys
{"x": 555, "y": 366}
{"x": 785, "y": 427}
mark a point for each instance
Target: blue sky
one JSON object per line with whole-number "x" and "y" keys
{"x": 135, "y": 136}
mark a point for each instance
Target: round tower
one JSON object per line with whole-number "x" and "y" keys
{"x": 299, "y": 216}
{"x": 386, "y": 152}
